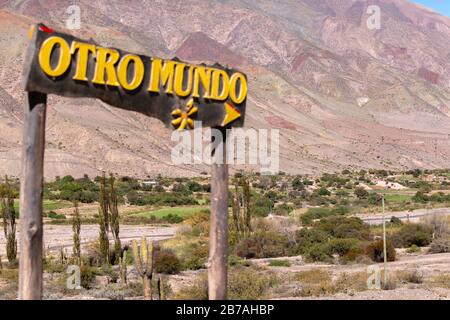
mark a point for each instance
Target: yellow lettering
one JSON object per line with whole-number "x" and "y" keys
{"x": 217, "y": 74}
{"x": 45, "y": 55}
{"x": 122, "y": 71}
{"x": 82, "y": 58}
{"x": 204, "y": 75}
{"x": 179, "y": 77}
{"x": 163, "y": 74}
{"x": 106, "y": 59}
{"x": 243, "y": 90}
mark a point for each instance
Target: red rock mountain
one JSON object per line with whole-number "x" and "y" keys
{"x": 342, "y": 94}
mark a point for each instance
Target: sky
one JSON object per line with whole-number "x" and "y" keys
{"x": 441, "y": 6}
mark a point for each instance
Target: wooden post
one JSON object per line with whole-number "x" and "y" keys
{"x": 218, "y": 235}
{"x": 31, "y": 185}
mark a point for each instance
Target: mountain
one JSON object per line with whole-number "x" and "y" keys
{"x": 342, "y": 94}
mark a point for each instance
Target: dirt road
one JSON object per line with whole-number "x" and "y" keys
{"x": 56, "y": 236}
{"x": 412, "y": 216}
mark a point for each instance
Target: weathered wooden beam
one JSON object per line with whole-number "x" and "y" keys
{"x": 31, "y": 185}
{"x": 218, "y": 235}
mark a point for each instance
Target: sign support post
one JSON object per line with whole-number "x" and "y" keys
{"x": 218, "y": 234}
{"x": 31, "y": 187}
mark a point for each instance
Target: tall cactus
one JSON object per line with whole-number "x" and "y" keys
{"x": 103, "y": 220}
{"x": 123, "y": 268}
{"x": 9, "y": 219}
{"x": 114, "y": 219}
{"x": 76, "y": 228}
{"x": 161, "y": 288}
{"x": 143, "y": 262}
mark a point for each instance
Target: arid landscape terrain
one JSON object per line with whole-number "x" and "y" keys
{"x": 342, "y": 95}
{"x": 363, "y": 114}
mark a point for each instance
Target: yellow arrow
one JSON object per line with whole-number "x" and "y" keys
{"x": 231, "y": 114}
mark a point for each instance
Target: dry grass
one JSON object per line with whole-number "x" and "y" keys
{"x": 440, "y": 281}
{"x": 322, "y": 282}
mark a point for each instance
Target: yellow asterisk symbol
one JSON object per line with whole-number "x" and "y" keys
{"x": 183, "y": 118}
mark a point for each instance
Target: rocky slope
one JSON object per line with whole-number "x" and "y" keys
{"x": 342, "y": 95}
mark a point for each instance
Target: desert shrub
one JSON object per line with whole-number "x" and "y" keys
{"x": 414, "y": 276}
{"x": 441, "y": 281}
{"x": 166, "y": 262}
{"x": 375, "y": 251}
{"x": 305, "y": 238}
{"x": 361, "y": 193}
{"x": 344, "y": 227}
{"x": 314, "y": 282}
{"x": 396, "y": 221}
{"x": 243, "y": 284}
{"x": 87, "y": 276}
{"x": 283, "y": 210}
{"x": 342, "y": 246}
{"x": 199, "y": 223}
{"x": 279, "y": 263}
{"x": 439, "y": 224}
{"x": 160, "y": 198}
{"x": 409, "y": 234}
{"x": 54, "y": 215}
{"x": 319, "y": 252}
{"x": 249, "y": 284}
{"x": 262, "y": 244}
{"x": 317, "y": 213}
{"x": 347, "y": 250}
{"x": 413, "y": 249}
{"x": 172, "y": 218}
{"x": 391, "y": 284}
{"x": 440, "y": 245}
{"x": 260, "y": 206}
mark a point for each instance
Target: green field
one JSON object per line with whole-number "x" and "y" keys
{"x": 49, "y": 205}
{"x": 160, "y": 213}
{"x": 397, "y": 197}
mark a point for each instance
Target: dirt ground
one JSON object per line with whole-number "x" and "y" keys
{"x": 56, "y": 236}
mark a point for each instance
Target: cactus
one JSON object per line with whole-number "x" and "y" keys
{"x": 161, "y": 288}
{"x": 114, "y": 218}
{"x": 62, "y": 255}
{"x": 123, "y": 268}
{"x": 76, "y": 227}
{"x": 143, "y": 262}
{"x": 9, "y": 219}
{"x": 103, "y": 220}
{"x": 241, "y": 212}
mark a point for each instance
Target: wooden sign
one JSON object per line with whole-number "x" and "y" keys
{"x": 175, "y": 92}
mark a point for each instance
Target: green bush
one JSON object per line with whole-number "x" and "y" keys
{"x": 319, "y": 252}
{"x": 344, "y": 227}
{"x": 262, "y": 244}
{"x": 318, "y": 213}
{"x": 54, "y": 215}
{"x": 166, "y": 262}
{"x": 283, "y": 210}
{"x": 279, "y": 263}
{"x": 249, "y": 284}
{"x": 195, "y": 257}
{"x": 412, "y": 234}
{"x": 87, "y": 276}
{"x": 305, "y": 238}
{"x": 375, "y": 251}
